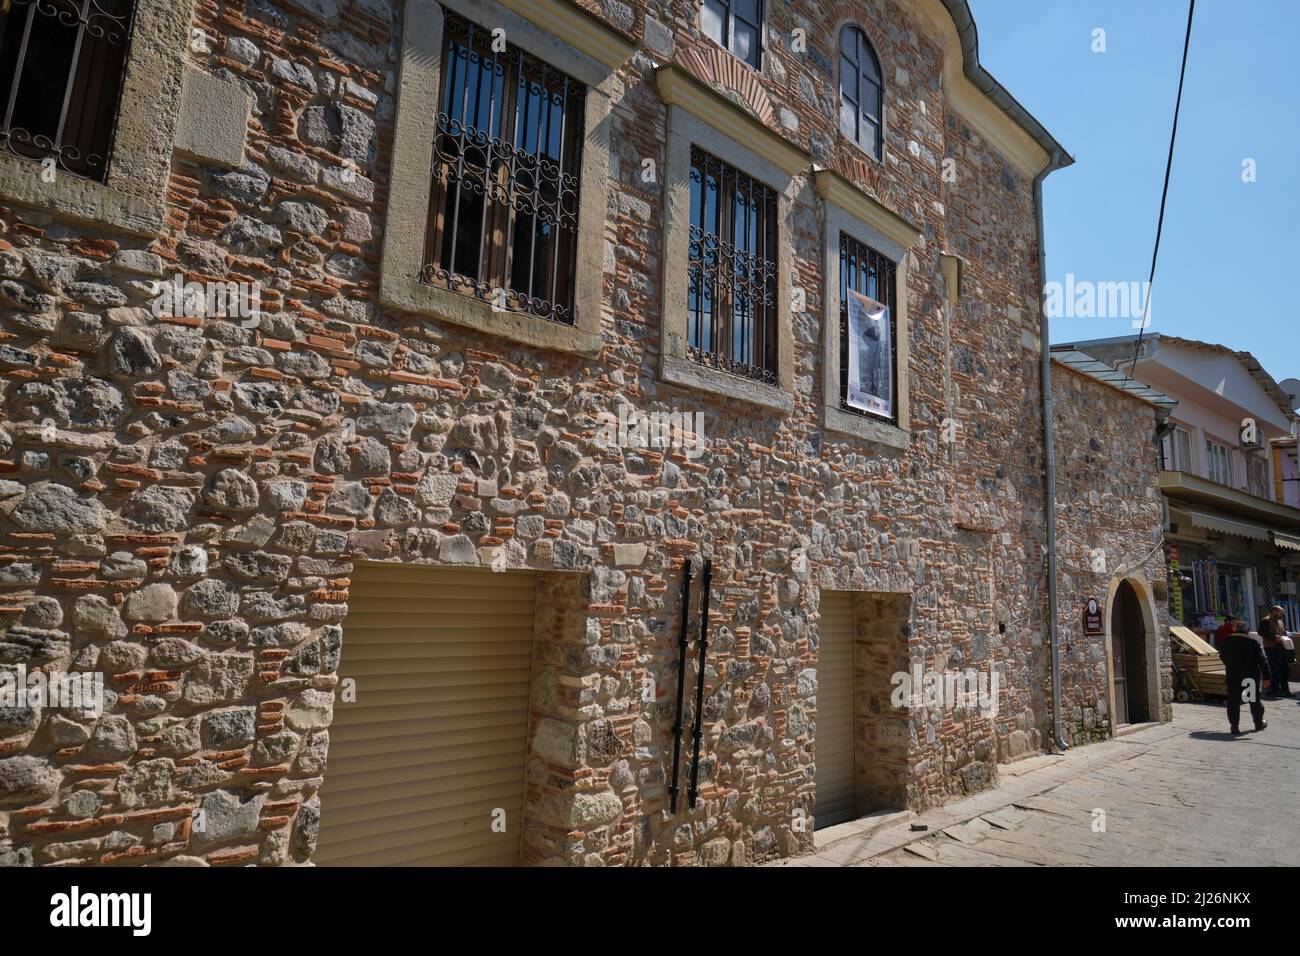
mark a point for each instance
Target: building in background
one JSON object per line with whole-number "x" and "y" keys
{"x": 1286, "y": 472}
{"x": 1233, "y": 524}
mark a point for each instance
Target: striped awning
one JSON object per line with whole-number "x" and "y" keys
{"x": 1241, "y": 529}
{"x": 1288, "y": 541}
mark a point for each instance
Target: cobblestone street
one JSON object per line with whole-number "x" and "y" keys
{"x": 1178, "y": 794}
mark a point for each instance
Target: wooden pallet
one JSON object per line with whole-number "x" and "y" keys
{"x": 1209, "y": 678}
{"x": 1200, "y": 662}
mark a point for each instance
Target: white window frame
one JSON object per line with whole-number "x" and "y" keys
{"x": 1219, "y": 466}
{"x": 1175, "y": 460}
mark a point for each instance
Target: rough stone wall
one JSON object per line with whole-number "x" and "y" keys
{"x": 189, "y": 525}
{"x": 1108, "y": 506}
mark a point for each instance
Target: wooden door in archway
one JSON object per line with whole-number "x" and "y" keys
{"x": 1128, "y": 656}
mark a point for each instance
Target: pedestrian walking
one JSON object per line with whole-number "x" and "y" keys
{"x": 1272, "y": 629}
{"x": 1246, "y": 665}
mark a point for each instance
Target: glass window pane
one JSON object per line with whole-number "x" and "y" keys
{"x": 849, "y": 44}
{"x": 848, "y": 81}
{"x": 849, "y": 118}
{"x": 870, "y": 139}
{"x": 745, "y": 43}
{"x": 870, "y": 68}
{"x": 747, "y": 9}
{"x": 713, "y": 20}
{"x": 871, "y": 100}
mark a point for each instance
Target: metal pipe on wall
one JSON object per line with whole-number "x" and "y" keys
{"x": 1049, "y": 456}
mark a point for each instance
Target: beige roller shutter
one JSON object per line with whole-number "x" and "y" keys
{"x": 833, "y": 746}
{"x": 436, "y": 739}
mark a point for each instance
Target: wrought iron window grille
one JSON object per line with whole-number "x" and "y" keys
{"x": 61, "y": 69}
{"x": 732, "y": 284}
{"x": 873, "y": 274}
{"x": 503, "y": 217}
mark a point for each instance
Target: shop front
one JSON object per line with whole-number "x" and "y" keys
{"x": 1220, "y": 567}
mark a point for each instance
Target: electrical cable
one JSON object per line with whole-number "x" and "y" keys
{"x": 1164, "y": 195}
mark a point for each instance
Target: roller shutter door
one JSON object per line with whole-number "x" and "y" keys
{"x": 833, "y": 746}
{"x": 437, "y": 737}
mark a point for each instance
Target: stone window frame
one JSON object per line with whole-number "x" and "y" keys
{"x": 849, "y": 209}
{"x": 884, "y": 91}
{"x": 133, "y": 196}
{"x": 566, "y": 39}
{"x": 698, "y": 116}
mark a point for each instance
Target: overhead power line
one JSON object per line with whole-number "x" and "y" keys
{"x": 1164, "y": 193}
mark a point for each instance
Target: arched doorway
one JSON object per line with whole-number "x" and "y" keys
{"x": 1128, "y": 647}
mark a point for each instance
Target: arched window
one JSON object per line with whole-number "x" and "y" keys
{"x": 862, "y": 91}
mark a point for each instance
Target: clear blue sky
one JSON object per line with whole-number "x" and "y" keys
{"x": 1229, "y": 258}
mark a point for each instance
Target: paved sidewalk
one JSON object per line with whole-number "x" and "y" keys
{"x": 1179, "y": 794}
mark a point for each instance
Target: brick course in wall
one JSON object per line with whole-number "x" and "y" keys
{"x": 181, "y": 504}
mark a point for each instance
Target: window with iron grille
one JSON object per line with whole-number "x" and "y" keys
{"x": 736, "y": 25}
{"x": 731, "y": 289}
{"x": 862, "y": 92}
{"x": 869, "y": 273}
{"x": 61, "y": 65}
{"x": 503, "y": 218}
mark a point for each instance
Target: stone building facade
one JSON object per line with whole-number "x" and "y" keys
{"x": 187, "y": 497}
{"x": 1110, "y": 538}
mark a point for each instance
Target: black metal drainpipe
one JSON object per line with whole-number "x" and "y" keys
{"x": 683, "y": 640}
{"x": 699, "y": 685}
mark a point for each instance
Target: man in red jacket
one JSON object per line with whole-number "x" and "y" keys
{"x": 1226, "y": 629}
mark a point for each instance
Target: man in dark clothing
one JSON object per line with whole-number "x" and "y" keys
{"x": 1271, "y": 630}
{"x": 1246, "y": 666}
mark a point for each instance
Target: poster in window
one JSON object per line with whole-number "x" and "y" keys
{"x": 871, "y": 356}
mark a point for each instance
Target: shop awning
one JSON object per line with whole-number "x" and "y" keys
{"x": 1288, "y": 541}
{"x": 1241, "y": 529}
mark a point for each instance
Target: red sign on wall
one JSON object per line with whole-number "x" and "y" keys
{"x": 1092, "y": 622}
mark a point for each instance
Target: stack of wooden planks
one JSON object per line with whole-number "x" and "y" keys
{"x": 1200, "y": 662}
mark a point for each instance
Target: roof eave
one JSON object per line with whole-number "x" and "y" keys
{"x": 959, "y": 10}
